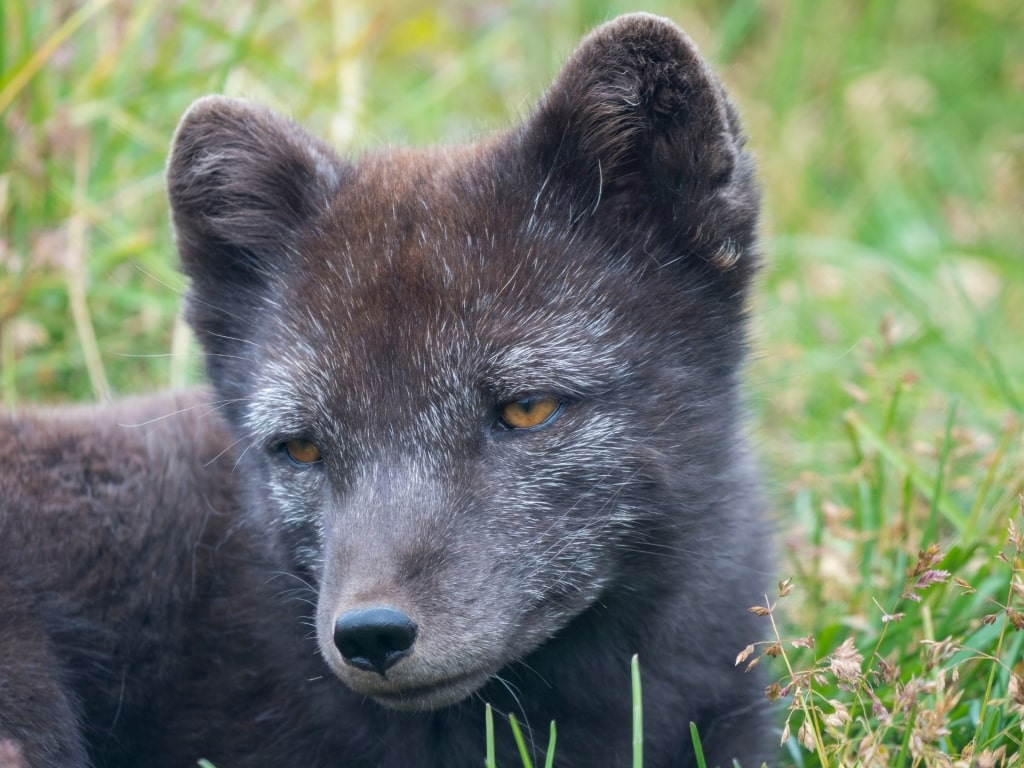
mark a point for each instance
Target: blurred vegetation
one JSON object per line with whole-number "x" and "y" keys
{"x": 888, "y": 380}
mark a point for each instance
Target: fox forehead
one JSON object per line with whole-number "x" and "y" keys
{"x": 448, "y": 216}
{"x": 427, "y": 267}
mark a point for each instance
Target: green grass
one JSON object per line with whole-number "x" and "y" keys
{"x": 888, "y": 380}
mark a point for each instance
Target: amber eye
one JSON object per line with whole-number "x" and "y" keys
{"x": 525, "y": 414}
{"x": 301, "y": 451}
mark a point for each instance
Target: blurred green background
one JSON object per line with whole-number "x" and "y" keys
{"x": 888, "y": 375}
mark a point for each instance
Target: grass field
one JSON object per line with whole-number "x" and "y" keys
{"x": 888, "y": 380}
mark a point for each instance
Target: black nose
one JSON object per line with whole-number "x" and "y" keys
{"x": 374, "y": 639}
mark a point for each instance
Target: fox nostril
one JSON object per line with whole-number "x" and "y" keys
{"x": 374, "y": 639}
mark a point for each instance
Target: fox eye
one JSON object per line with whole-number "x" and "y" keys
{"x": 529, "y": 413}
{"x": 300, "y": 451}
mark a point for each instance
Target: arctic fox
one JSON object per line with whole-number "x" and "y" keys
{"x": 474, "y": 435}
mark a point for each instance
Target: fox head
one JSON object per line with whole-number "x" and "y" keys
{"x": 483, "y": 390}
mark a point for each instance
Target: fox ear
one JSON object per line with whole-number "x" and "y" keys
{"x": 637, "y": 126}
{"x": 242, "y": 180}
{"x": 244, "y": 183}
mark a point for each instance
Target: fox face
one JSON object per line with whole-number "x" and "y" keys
{"x": 481, "y": 390}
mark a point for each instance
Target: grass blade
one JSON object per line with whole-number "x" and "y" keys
{"x": 698, "y": 750}
{"x": 549, "y": 760}
{"x": 638, "y": 714}
{"x": 490, "y": 761}
{"x": 517, "y": 734}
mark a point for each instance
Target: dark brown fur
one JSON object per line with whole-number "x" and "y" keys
{"x": 138, "y": 608}
{"x": 174, "y": 579}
